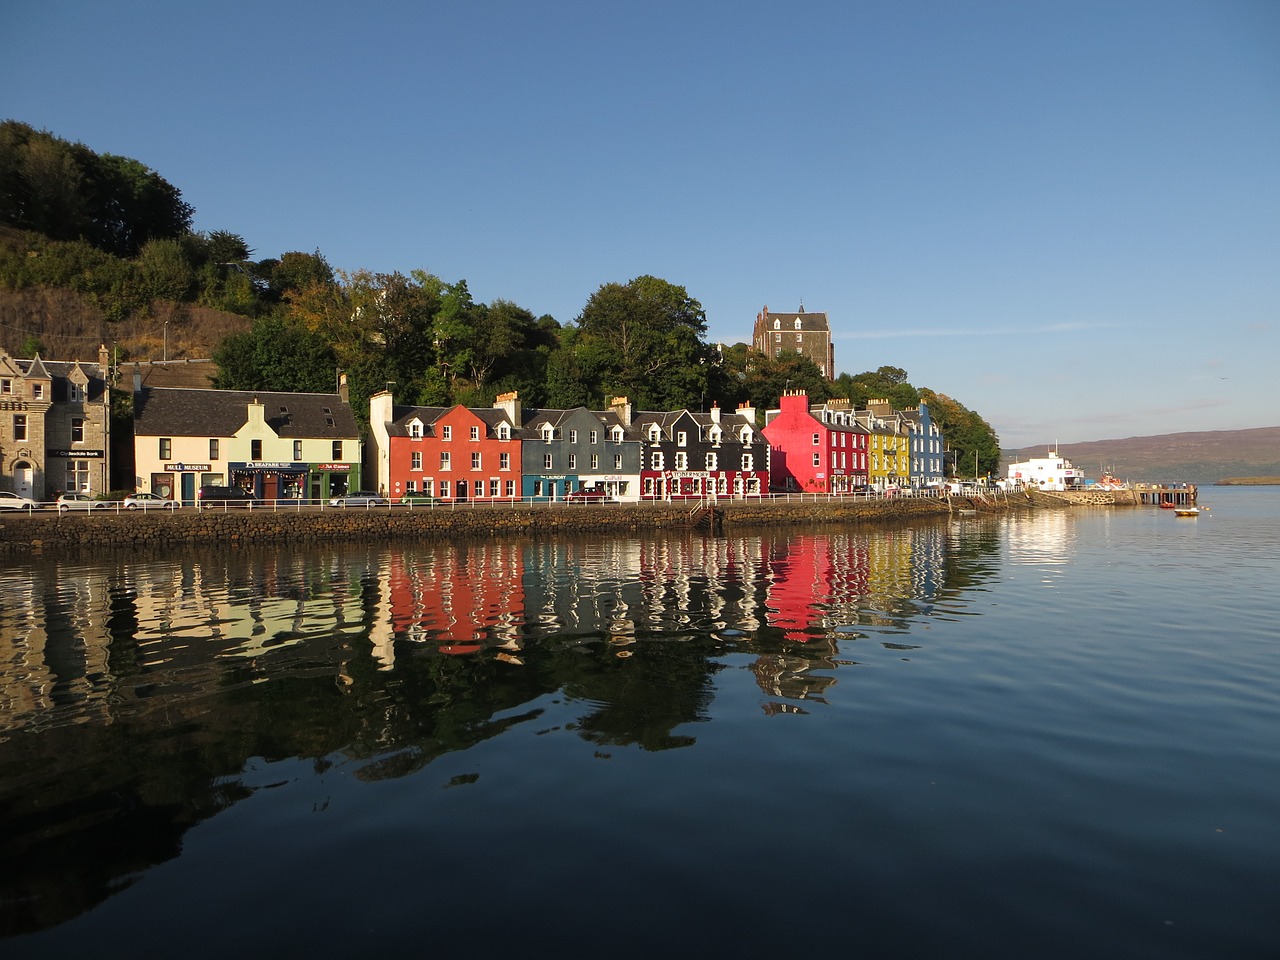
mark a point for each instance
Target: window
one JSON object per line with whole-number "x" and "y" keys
{"x": 682, "y": 439}
{"x": 297, "y": 449}
{"x": 415, "y": 430}
{"x": 510, "y": 486}
{"x": 777, "y": 338}
{"x": 20, "y": 426}
{"x": 682, "y": 461}
{"x": 75, "y": 393}
{"x": 478, "y": 487}
{"x": 213, "y": 449}
{"x": 475, "y": 461}
{"x": 6, "y": 386}
{"x": 712, "y": 461}
{"x": 655, "y": 461}
{"x": 446, "y": 461}
{"x": 573, "y": 436}
{"x": 797, "y": 323}
{"x": 817, "y": 439}
{"x": 777, "y": 324}
{"x": 415, "y": 460}
{"x": 595, "y": 461}
{"x": 616, "y": 435}
{"x": 166, "y": 448}
{"x": 595, "y": 436}
{"x": 77, "y": 430}
{"x": 337, "y": 450}
{"x": 799, "y": 338}
{"x": 77, "y": 476}
{"x": 475, "y": 433}
{"x": 617, "y": 461}
{"x": 504, "y": 432}
{"x": 573, "y": 461}
{"x": 427, "y": 486}
{"x": 546, "y": 461}
{"x": 255, "y": 449}
{"x": 548, "y": 433}
{"x": 446, "y": 432}
{"x": 37, "y": 391}
{"x": 493, "y": 488}
{"x": 444, "y": 489}
{"x": 817, "y": 459}
{"x": 746, "y": 438}
{"x": 748, "y": 462}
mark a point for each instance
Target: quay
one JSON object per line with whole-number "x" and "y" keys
{"x": 49, "y": 535}
{"x": 1156, "y": 495}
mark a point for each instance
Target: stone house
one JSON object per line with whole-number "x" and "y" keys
{"x": 55, "y": 426}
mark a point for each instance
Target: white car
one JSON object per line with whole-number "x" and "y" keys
{"x": 80, "y": 501}
{"x": 14, "y": 501}
{"x": 149, "y": 501}
{"x": 361, "y": 498}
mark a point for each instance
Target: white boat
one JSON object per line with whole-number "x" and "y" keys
{"x": 1186, "y": 511}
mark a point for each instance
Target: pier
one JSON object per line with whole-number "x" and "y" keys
{"x": 1158, "y": 495}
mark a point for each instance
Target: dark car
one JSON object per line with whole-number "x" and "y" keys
{"x": 212, "y": 495}
{"x": 588, "y": 495}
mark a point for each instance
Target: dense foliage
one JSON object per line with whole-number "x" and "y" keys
{"x": 120, "y": 236}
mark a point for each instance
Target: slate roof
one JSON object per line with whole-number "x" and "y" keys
{"x": 59, "y": 371}
{"x": 179, "y": 412}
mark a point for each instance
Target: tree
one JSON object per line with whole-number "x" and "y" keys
{"x": 966, "y": 435}
{"x": 276, "y": 354}
{"x": 643, "y": 340}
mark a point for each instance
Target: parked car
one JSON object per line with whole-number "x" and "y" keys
{"x": 80, "y": 501}
{"x": 14, "y": 501}
{"x": 213, "y": 495}
{"x": 360, "y": 498}
{"x": 420, "y": 500}
{"x": 149, "y": 501}
{"x": 588, "y": 495}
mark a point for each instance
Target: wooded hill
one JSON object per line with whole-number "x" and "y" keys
{"x": 98, "y": 249}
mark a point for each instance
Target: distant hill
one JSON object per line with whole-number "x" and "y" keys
{"x": 1202, "y": 457}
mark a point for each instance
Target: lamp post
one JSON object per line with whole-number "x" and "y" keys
{"x": 166, "y": 341}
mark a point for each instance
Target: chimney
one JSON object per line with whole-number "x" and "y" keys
{"x": 343, "y": 394}
{"x": 747, "y": 412}
{"x": 257, "y": 412}
{"x": 622, "y": 407}
{"x": 715, "y": 413}
{"x": 137, "y": 380}
{"x": 509, "y": 403}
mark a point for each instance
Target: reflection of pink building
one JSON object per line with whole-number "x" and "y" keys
{"x": 437, "y": 596}
{"x": 817, "y": 586}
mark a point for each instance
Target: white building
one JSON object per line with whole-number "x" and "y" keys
{"x": 1052, "y": 472}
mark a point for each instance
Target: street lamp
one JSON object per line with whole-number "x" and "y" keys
{"x": 166, "y": 341}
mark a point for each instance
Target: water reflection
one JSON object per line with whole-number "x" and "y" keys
{"x": 135, "y": 694}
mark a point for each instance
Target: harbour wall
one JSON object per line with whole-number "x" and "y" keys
{"x": 74, "y": 534}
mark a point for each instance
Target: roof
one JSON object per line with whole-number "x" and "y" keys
{"x": 180, "y": 412}
{"x": 198, "y": 374}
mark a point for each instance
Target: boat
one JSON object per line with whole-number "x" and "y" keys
{"x": 1186, "y": 511}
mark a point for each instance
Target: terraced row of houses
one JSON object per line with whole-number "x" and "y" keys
{"x": 55, "y": 437}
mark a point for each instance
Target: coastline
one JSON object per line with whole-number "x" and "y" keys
{"x": 82, "y": 534}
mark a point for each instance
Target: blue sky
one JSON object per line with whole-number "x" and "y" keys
{"x": 1064, "y": 215}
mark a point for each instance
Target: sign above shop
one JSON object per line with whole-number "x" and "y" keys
{"x": 187, "y": 467}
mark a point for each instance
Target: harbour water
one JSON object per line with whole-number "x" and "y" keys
{"x": 1041, "y": 735}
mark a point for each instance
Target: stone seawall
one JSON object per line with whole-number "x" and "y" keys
{"x": 77, "y": 533}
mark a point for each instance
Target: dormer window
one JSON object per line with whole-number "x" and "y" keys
{"x": 655, "y": 433}
{"x": 504, "y": 432}
{"x": 415, "y": 429}
{"x": 37, "y": 391}
{"x": 777, "y": 324}
{"x": 548, "y": 433}
{"x": 797, "y": 323}
{"x": 617, "y": 435}
{"x": 746, "y": 437}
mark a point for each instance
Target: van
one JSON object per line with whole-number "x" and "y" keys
{"x": 212, "y": 495}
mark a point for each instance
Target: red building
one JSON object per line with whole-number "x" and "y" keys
{"x": 452, "y": 453}
{"x": 815, "y": 450}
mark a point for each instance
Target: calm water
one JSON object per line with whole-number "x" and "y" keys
{"x": 1038, "y": 736}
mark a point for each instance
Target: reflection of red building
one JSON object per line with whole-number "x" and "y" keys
{"x": 437, "y": 597}
{"x": 817, "y": 585}
{"x": 815, "y": 450}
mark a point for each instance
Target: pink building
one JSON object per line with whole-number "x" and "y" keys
{"x": 820, "y": 449}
